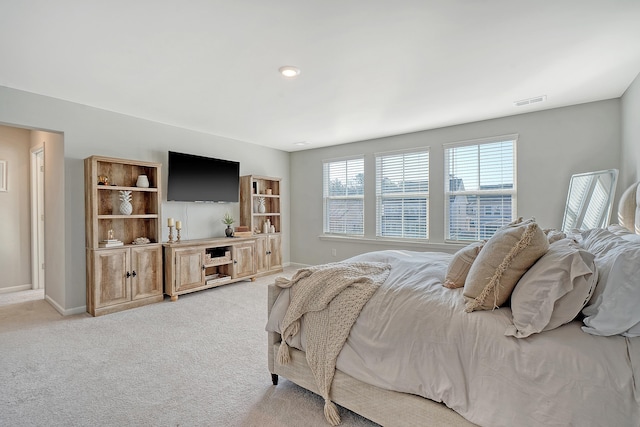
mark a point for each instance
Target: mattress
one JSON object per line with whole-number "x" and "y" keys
{"x": 413, "y": 336}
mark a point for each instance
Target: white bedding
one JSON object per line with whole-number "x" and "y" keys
{"x": 413, "y": 336}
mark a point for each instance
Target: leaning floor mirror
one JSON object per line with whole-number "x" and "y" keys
{"x": 590, "y": 200}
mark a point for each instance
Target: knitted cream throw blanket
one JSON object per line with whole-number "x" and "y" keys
{"x": 330, "y": 297}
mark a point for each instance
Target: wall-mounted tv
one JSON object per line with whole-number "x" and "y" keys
{"x": 202, "y": 179}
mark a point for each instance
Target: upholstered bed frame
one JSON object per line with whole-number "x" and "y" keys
{"x": 390, "y": 408}
{"x": 385, "y": 407}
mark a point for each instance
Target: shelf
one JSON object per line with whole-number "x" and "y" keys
{"x": 267, "y": 214}
{"x": 216, "y": 264}
{"x": 120, "y": 188}
{"x": 266, "y": 196}
{"x": 147, "y": 216}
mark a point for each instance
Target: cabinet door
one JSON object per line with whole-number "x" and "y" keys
{"x": 244, "y": 260}
{"x": 189, "y": 269}
{"x": 146, "y": 271}
{"x": 275, "y": 254}
{"x": 111, "y": 285}
{"x": 262, "y": 261}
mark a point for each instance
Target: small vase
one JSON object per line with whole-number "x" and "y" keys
{"x": 142, "y": 182}
{"x": 261, "y": 207}
{"x": 228, "y": 231}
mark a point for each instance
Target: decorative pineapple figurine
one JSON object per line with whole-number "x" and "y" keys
{"x": 125, "y": 205}
{"x": 261, "y": 207}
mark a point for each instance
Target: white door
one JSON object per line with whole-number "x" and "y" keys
{"x": 37, "y": 217}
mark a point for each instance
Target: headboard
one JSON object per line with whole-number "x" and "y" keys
{"x": 629, "y": 208}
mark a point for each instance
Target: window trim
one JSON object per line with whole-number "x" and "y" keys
{"x": 378, "y": 196}
{"x": 513, "y": 192}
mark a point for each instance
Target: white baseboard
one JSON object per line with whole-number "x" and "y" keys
{"x": 61, "y": 310}
{"x": 18, "y": 288}
{"x": 295, "y": 265}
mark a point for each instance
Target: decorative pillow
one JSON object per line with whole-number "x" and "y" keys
{"x": 460, "y": 264}
{"x": 613, "y": 308}
{"x": 503, "y": 260}
{"x": 554, "y": 235}
{"x": 554, "y": 290}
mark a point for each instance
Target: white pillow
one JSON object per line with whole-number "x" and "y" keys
{"x": 614, "y": 306}
{"x": 553, "y": 291}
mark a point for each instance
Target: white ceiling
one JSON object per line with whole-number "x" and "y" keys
{"x": 370, "y": 68}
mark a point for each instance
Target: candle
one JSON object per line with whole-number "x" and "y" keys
{"x": 178, "y": 225}
{"x": 170, "y": 222}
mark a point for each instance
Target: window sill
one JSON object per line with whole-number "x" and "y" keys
{"x": 417, "y": 244}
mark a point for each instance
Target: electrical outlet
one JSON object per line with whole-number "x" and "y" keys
{"x": 333, "y": 252}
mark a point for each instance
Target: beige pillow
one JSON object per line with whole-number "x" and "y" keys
{"x": 503, "y": 260}
{"x": 554, "y": 290}
{"x": 460, "y": 264}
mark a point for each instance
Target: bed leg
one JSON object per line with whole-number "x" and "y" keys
{"x": 274, "y": 379}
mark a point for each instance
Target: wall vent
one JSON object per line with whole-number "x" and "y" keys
{"x": 529, "y": 101}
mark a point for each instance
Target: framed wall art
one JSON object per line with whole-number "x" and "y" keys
{"x": 3, "y": 175}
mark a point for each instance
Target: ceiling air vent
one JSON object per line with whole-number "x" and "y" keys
{"x": 529, "y": 101}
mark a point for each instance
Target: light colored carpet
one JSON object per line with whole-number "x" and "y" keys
{"x": 200, "y": 361}
{"x": 10, "y": 298}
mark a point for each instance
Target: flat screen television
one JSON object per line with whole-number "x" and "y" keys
{"x": 202, "y": 179}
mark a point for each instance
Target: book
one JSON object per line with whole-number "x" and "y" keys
{"x": 110, "y": 244}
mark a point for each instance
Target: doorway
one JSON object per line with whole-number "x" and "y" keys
{"x": 37, "y": 218}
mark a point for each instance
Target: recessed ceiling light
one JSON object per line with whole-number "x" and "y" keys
{"x": 289, "y": 71}
{"x": 301, "y": 143}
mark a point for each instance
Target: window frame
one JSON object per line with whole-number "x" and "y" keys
{"x": 401, "y": 195}
{"x": 326, "y": 197}
{"x": 513, "y": 192}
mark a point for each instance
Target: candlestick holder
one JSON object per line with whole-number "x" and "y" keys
{"x": 178, "y": 231}
{"x": 171, "y": 234}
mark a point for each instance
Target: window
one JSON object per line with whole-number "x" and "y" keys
{"x": 344, "y": 196}
{"x": 480, "y": 187}
{"x": 402, "y": 195}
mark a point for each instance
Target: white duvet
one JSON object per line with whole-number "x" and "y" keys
{"x": 413, "y": 336}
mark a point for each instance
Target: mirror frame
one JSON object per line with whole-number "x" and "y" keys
{"x": 605, "y": 216}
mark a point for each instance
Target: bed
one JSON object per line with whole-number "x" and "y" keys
{"x": 555, "y": 352}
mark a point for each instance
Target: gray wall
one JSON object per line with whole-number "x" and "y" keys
{"x": 15, "y": 226}
{"x": 630, "y": 168}
{"x": 552, "y": 145}
{"x": 88, "y": 131}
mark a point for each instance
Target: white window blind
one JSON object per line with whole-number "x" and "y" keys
{"x": 344, "y": 196}
{"x": 402, "y": 195}
{"x": 480, "y": 188}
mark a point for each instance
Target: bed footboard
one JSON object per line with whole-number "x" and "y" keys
{"x": 385, "y": 407}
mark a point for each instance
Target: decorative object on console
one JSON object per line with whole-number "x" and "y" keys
{"x": 228, "y": 220}
{"x": 141, "y": 241}
{"x": 125, "y": 206}
{"x": 242, "y": 231}
{"x": 178, "y": 228}
{"x": 143, "y": 181}
{"x": 170, "y": 223}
